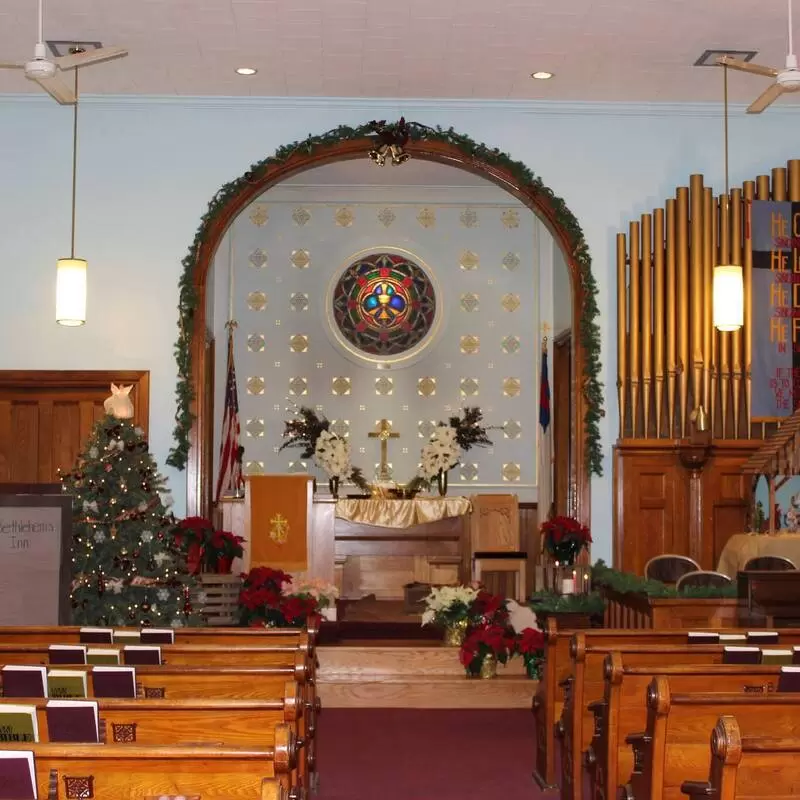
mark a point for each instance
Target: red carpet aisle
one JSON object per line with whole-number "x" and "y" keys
{"x": 426, "y": 754}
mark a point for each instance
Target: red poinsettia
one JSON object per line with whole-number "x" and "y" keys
{"x": 489, "y": 608}
{"x": 486, "y": 640}
{"x": 564, "y": 538}
{"x": 530, "y": 645}
{"x": 263, "y": 603}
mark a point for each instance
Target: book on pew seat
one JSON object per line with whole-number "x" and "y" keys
{"x": 158, "y": 636}
{"x": 144, "y": 654}
{"x": 789, "y": 679}
{"x": 733, "y": 654}
{"x": 24, "y": 681}
{"x": 17, "y": 775}
{"x": 114, "y": 681}
{"x": 796, "y": 655}
{"x": 72, "y": 721}
{"x": 703, "y": 637}
{"x": 732, "y": 637}
{"x": 98, "y": 655}
{"x": 89, "y": 635}
{"x": 127, "y": 637}
{"x": 66, "y": 654}
{"x": 770, "y": 656}
{"x": 66, "y": 683}
{"x": 763, "y": 637}
{"x": 18, "y": 723}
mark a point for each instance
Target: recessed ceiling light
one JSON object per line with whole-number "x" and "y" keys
{"x": 246, "y": 71}
{"x": 542, "y": 76}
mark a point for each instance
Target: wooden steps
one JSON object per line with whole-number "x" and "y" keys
{"x": 406, "y": 676}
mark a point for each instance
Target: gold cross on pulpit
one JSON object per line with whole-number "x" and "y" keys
{"x": 384, "y": 433}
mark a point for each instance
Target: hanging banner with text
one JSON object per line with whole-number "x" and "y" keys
{"x": 775, "y": 239}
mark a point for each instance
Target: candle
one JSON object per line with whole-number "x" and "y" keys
{"x": 568, "y": 586}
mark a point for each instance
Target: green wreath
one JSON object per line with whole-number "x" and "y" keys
{"x": 588, "y": 329}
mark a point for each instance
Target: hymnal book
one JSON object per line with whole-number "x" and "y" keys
{"x": 126, "y": 637}
{"x": 703, "y": 637}
{"x": 96, "y": 655}
{"x": 763, "y": 637}
{"x": 741, "y": 655}
{"x": 114, "y": 681}
{"x": 18, "y": 723}
{"x": 72, "y": 721}
{"x": 24, "y": 681}
{"x": 17, "y": 775}
{"x": 769, "y": 656}
{"x": 141, "y": 654}
{"x": 158, "y": 636}
{"x": 789, "y": 679}
{"x": 66, "y": 654}
{"x": 66, "y": 683}
{"x": 732, "y": 637}
{"x": 796, "y": 655}
{"x": 96, "y": 635}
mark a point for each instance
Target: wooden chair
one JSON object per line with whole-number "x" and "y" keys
{"x": 495, "y": 539}
{"x": 703, "y": 578}
{"x": 771, "y": 563}
{"x": 669, "y": 567}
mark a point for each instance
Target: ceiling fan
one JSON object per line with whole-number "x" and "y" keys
{"x": 786, "y": 79}
{"x": 45, "y": 71}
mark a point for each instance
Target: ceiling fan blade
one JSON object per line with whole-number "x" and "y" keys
{"x": 59, "y": 91}
{"x": 90, "y": 57}
{"x": 12, "y": 65}
{"x": 767, "y": 98}
{"x": 746, "y": 66}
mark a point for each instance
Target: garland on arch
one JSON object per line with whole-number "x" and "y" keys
{"x": 588, "y": 332}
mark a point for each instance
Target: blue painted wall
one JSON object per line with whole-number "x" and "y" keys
{"x": 147, "y": 168}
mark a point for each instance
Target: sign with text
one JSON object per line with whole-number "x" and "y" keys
{"x": 775, "y": 241}
{"x": 35, "y": 533}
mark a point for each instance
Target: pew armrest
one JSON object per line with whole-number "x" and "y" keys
{"x": 697, "y": 789}
{"x": 598, "y": 708}
{"x": 639, "y": 742}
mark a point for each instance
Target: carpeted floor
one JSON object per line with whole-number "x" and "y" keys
{"x": 426, "y": 754}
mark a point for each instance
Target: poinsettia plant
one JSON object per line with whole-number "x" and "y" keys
{"x": 266, "y": 600}
{"x": 564, "y": 538}
{"x": 530, "y": 645}
{"x": 205, "y": 547}
{"x": 484, "y": 641}
{"x": 489, "y": 609}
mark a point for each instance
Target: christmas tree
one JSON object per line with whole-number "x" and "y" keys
{"x": 126, "y": 566}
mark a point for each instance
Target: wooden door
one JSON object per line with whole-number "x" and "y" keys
{"x": 562, "y": 420}
{"x": 46, "y": 417}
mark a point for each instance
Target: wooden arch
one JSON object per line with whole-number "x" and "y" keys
{"x": 200, "y": 457}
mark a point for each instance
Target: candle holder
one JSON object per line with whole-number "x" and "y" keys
{"x": 568, "y": 579}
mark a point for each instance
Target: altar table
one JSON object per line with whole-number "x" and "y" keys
{"x": 741, "y": 547}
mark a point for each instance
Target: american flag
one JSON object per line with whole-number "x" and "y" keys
{"x": 230, "y": 481}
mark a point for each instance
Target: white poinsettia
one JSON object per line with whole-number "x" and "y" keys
{"x": 332, "y": 454}
{"x": 441, "y": 453}
{"x": 448, "y": 604}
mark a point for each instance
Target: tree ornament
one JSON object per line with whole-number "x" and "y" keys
{"x": 101, "y": 584}
{"x": 145, "y": 607}
{"x": 131, "y": 614}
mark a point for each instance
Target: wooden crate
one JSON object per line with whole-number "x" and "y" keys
{"x": 221, "y": 596}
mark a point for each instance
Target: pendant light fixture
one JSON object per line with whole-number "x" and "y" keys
{"x": 71, "y": 272}
{"x": 728, "y": 282}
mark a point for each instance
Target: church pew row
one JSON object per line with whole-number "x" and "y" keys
{"x": 748, "y": 768}
{"x": 624, "y": 709}
{"x": 674, "y": 746}
{"x": 219, "y": 723}
{"x": 133, "y": 772}
{"x": 548, "y": 700}
{"x": 585, "y": 686}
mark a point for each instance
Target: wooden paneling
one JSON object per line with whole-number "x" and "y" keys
{"x": 47, "y": 416}
{"x": 652, "y": 509}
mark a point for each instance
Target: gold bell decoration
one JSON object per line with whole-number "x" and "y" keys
{"x": 391, "y": 141}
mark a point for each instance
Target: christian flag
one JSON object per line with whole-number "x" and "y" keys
{"x": 230, "y": 481}
{"x": 544, "y": 393}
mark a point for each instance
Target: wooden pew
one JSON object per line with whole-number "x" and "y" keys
{"x": 585, "y": 686}
{"x": 133, "y": 772}
{"x": 674, "y": 745}
{"x": 748, "y": 768}
{"x": 556, "y": 672}
{"x": 623, "y": 711}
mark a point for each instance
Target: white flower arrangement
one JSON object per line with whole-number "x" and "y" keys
{"x": 441, "y": 453}
{"x": 448, "y": 604}
{"x": 332, "y": 454}
{"x": 323, "y": 592}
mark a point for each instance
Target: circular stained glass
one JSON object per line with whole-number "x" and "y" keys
{"x": 384, "y": 304}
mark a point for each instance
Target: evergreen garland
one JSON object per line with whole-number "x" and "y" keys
{"x": 589, "y": 332}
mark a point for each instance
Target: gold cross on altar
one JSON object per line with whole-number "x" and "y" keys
{"x": 384, "y": 433}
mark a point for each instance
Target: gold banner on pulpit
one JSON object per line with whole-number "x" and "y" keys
{"x": 278, "y": 521}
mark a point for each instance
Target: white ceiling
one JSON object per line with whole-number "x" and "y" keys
{"x": 612, "y": 50}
